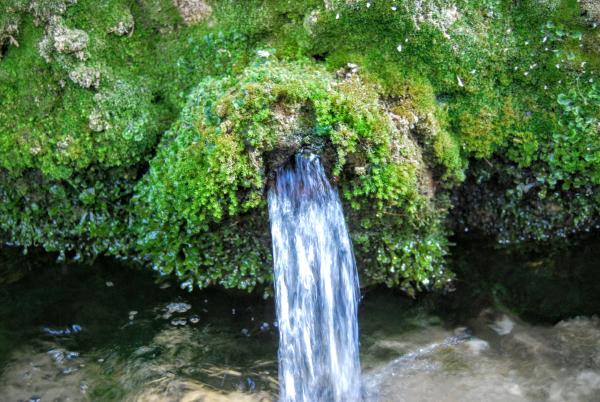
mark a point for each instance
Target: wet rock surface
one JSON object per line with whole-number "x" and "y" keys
{"x": 532, "y": 363}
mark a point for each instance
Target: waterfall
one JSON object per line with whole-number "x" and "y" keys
{"x": 316, "y": 287}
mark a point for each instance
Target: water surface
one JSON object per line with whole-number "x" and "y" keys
{"x": 519, "y": 327}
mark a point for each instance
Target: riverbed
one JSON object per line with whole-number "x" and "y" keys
{"x": 519, "y": 324}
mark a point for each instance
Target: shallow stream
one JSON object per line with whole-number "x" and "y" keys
{"x": 520, "y": 326}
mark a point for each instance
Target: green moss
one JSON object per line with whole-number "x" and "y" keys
{"x": 79, "y": 218}
{"x": 500, "y": 95}
{"x": 46, "y": 115}
{"x": 447, "y": 154}
{"x": 230, "y": 127}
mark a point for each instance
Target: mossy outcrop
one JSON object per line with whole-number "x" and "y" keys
{"x": 214, "y": 166}
{"x": 150, "y": 130}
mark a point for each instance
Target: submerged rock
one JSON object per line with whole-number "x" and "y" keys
{"x": 534, "y": 363}
{"x": 178, "y": 322}
{"x": 176, "y": 308}
{"x": 503, "y": 326}
{"x": 476, "y": 346}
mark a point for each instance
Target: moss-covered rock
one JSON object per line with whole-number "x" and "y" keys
{"x": 214, "y": 166}
{"x": 68, "y": 101}
{"x": 150, "y": 129}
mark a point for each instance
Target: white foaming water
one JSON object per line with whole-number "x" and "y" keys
{"x": 316, "y": 287}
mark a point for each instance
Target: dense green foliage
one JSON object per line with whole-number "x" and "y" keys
{"x": 214, "y": 164}
{"x": 74, "y": 96}
{"x": 129, "y": 130}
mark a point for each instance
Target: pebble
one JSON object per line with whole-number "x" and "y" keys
{"x": 514, "y": 389}
{"x": 178, "y": 322}
{"x": 178, "y": 307}
{"x": 504, "y": 326}
{"x": 476, "y": 346}
{"x": 72, "y": 355}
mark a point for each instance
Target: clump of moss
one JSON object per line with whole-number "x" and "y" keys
{"x": 78, "y": 116}
{"x": 79, "y": 218}
{"x": 212, "y": 168}
{"x": 403, "y": 100}
{"x": 72, "y": 96}
{"x": 539, "y": 158}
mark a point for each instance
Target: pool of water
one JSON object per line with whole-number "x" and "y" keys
{"x": 520, "y": 326}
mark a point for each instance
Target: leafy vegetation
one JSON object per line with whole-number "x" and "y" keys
{"x": 128, "y": 130}
{"x": 214, "y": 165}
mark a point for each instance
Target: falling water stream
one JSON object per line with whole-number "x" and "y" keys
{"x": 316, "y": 287}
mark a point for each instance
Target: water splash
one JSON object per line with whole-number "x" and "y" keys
{"x": 316, "y": 286}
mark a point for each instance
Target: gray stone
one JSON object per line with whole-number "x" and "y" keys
{"x": 68, "y": 40}
{"x": 86, "y": 77}
{"x": 124, "y": 26}
{"x": 193, "y": 11}
{"x": 97, "y": 122}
